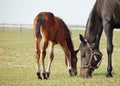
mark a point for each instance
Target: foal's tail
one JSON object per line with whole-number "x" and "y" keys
{"x": 38, "y": 24}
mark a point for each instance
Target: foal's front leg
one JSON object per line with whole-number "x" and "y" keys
{"x": 68, "y": 56}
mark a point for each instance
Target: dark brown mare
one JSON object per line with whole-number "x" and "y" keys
{"x": 53, "y": 31}
{"x": 105, "y": 15}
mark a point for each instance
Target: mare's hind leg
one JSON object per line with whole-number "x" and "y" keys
{"x": 37, "y": 52}
{"x": 51, "y": 58}
{"x": 68, "y": 55}
{"x": 43, "y": 54}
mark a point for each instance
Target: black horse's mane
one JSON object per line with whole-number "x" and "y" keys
{"x": 94, "y": 24}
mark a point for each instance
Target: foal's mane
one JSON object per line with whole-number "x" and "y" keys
{"x": 68, "y": 37}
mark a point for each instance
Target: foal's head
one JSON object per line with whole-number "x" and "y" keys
{"x": 90, "y": 58}
{"x": 74, "y": 62}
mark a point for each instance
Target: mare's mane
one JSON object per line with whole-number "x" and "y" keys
{"x": 94, "y": 25}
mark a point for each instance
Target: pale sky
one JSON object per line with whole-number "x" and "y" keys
{"x": 73, "y": 12}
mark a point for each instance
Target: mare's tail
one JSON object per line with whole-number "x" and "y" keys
{"x": 38, "y": 24}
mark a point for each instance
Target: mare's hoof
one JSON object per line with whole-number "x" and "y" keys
{"x": 109, "y": 75}
{"x": 39, "y": 77}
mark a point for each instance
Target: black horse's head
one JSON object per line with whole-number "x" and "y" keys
{"x": 90, "y": 58}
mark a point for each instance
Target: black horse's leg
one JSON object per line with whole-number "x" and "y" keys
{"x": 109, "y": 34}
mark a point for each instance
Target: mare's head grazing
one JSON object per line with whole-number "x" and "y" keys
{"x": 90, "y": 58}
{"x": 89, "y": 47}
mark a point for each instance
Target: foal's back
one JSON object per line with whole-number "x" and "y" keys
{"x": 52, "y": 28}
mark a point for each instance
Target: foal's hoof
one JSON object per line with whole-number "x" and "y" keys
{"x": 48, "y": 74}
{"x": 109, "y": 75}
{"x": 44, "y": 76}
{"x": 75, "y": 73}
{"x": 39, "y": 77}
{"x": 70, "y": 72}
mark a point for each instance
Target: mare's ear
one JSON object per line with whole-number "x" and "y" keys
{"x": 82, "y": 39}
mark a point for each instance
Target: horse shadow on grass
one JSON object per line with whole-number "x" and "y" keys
{"x": 101, "y": 74}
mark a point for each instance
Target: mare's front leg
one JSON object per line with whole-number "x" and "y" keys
{"x": 43, "y": 54}
{"x": 51, "y": 58}
{"x": 37, "y": 52}
{"x": 109, "y": 34}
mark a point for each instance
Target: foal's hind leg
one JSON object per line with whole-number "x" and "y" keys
{"x": 51, "y": 58}
{"x": 37, "y": 52}
{"x": 43, "y": 54}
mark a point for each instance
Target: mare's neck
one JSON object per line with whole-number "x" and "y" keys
{"x": 93, "y": 29}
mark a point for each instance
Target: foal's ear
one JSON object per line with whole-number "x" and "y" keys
{"x": 82, "y": 39}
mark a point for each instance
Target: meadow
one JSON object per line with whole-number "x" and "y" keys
{"x": 18, "y": 63}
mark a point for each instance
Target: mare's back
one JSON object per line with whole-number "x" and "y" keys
{"x": 110, "y": 9}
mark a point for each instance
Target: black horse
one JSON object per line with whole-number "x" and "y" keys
{"x": 105, "y": 15}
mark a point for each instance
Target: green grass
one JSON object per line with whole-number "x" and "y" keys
{"x": 17, "y": 62}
